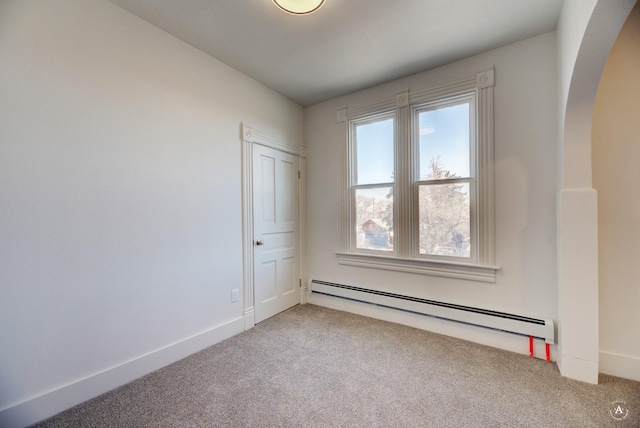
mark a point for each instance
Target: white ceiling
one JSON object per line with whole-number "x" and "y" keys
{"x": 348, "y": 44}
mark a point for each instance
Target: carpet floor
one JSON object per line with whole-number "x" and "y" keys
{"x": 315, "y": 367}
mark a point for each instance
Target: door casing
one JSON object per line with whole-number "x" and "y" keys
{"x": 249, "y": 137}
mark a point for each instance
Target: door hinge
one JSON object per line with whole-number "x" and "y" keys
{"x": 299, "y": 282}
{"x": 298, "y": 175}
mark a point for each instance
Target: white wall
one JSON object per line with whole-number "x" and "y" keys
{"x": 120, "y": 203}
{"x": 616, "y": 151}
{"x": 576, "y": 222}
{"x": 525, "y": 176}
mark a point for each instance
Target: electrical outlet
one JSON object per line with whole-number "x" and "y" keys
{"x": 235, "y": 295}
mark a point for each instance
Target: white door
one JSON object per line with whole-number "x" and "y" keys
{"x": 275, "y": 231}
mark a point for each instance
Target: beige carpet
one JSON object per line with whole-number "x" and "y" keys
{"x": 315, "y": 367}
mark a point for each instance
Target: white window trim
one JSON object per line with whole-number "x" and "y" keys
{"x": 484, "y": 268}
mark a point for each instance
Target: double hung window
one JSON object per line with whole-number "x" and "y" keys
{"x": 445, "y": 179}
{"x": 374, "y": 182}
{"x": 418, "y": 179}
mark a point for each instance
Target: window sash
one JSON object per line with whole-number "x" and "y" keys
{"x": 373, "y": 232}
{"x": 469, "y": 98}
{"x": 473, "y": 247}
{"x": 375, "y": 119}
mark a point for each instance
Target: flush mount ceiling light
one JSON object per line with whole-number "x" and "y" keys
{"x": 299, "y": 7}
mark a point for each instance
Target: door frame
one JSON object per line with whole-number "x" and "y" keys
{"x": 249, "y": 137}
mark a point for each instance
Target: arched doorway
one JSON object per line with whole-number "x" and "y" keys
{"x": 586, "y": 33}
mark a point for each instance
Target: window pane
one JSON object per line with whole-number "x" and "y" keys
{"x": 374, "y": 218}
{"x": 374, "y": 152}
{"x": 445, "y": 228}
{"x": 444, "y": 140}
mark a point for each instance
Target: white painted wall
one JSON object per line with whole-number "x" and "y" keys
{"x": 525, "y": 176}
{"x": 616, "y": 151}
{"x": 576, "y": 222}
{"x": 120, "y": 199}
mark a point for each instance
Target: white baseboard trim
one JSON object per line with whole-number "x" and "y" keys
{"x": 496, "y": 339}
{"x": 249, "y": 318}
{"x": 578, "y": 369}
{"x": 53, "y": 402}
{"x": 620, "y": 365}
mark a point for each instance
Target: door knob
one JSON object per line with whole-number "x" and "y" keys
{"x": 259, "y": 242}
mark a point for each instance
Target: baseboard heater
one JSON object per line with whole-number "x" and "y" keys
{"x": 510, "y": 323}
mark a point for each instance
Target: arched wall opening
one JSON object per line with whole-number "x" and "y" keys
{"x": 586, "y": 33}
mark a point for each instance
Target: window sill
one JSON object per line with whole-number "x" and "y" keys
{"x": 468, "y": 271}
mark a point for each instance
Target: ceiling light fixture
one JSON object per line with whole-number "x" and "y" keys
{"x": 299, "y": 7}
